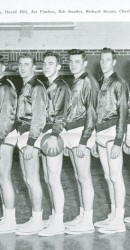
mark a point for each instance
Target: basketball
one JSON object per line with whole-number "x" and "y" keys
{"x": 44, "y": 148}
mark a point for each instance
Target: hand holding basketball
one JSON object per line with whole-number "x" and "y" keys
{"x": 51, "y": 145}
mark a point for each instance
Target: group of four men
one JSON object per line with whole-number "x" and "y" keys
{"x": 87, "y": 119}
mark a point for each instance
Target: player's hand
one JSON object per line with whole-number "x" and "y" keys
{"x": 94, "y": 150}
{"x": 28, "y": 152}
{"x": 81, "y": 151}
{"x": 115, "y": 151}
{"x": 52, "y": 144}
{"x": 66, "y": 152}
{"x": 126, "y": 149}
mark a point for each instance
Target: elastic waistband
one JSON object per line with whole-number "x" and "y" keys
{"x": 75, "y": 124}
{"x": 106, "y": 124}
{"x": 22, "y": 128}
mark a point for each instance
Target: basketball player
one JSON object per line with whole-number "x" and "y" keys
{"x": 112, "y": 113}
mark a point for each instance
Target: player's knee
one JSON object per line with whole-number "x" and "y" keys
{"x": 25, "y": 178}
{"x": 29, "y": 181}
{"x": 116, "y": 177}
{"x": 107, "y": 177}
{"x": 4, "y": 176}
{"x": 83, "y": 179}
{"x": 76, "y": 176}
{"x": 53, "y": 180}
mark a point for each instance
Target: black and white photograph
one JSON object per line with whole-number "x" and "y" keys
{"x": 64, "y": 125}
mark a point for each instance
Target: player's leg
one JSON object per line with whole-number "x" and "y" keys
{"x": 79, "y": 217}
{"x": 54, "y": 167}
{"x": 85, "y": 180}
{"x": 115, "y": 166}
{"x": 104, "y": 161}
{"x": 3, "y": 206}
{"x": 25, "y": 180}
{"x": 32, "y": 180}
{"x": 9, "y": 222}
{"x": 23, "y": 171}
{"x": 126, "y": 148}
{"x": 46, "y": 178}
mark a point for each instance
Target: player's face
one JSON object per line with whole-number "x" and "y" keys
{"x": 26, "y": 67}
{"x": 77, "y": 64}
{"x": 107, "y": 62}
{"x": 50, "y": 66}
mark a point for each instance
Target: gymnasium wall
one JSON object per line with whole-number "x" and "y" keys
{"x": 89, "y": 36}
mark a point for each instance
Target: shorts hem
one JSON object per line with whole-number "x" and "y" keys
{"x": 104, "y": 145}
{"x": 9, "y": 144}
{"x": 20, "y": 149}
{"x": 76, "y": 147}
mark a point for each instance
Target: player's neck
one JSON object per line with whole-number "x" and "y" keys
{"x": 108, "y": 74}
{"x": 52, "y": 78}
{"x": 76, "y": 76}
{"x": 28, "y": 78}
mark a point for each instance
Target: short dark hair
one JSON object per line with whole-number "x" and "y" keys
{"x": 108, "y": 50}
{"x": 51, "y": 53}
{"x": 78, "y": 52}
{"x": 27, "y": 55}
{"x": 1, "y": 59}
